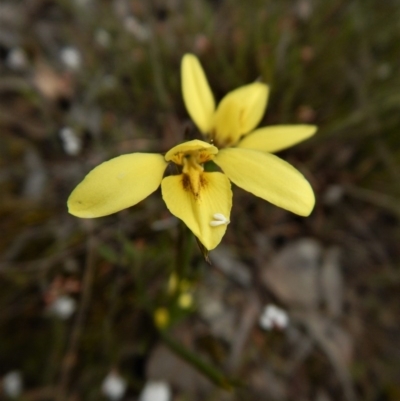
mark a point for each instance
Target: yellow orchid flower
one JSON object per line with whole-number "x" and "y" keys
{"x": 239, "y": 112}
{"x": 203, "y": 200}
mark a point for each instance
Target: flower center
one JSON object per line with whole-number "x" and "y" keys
{"x": 192, "y": 171}
{"x": 191, "y": 156}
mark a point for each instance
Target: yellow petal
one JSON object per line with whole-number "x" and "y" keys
{"x": 239, "y": 112}
{"x": 278, "y": 137}
{"x": 117, "y": 184}
{"x": 197, "y": 95}
{"x": 269, "y": 177}
{"x": 198, "y": 212}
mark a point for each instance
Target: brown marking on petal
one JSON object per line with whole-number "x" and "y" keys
{"x": 188, "y": 186}
{"x": 203, "y": 182}
{"x": 186, "y": 182}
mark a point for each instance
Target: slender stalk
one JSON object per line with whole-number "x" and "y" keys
{"x": 184, "y": 251}
{"x": 202, "y": 366}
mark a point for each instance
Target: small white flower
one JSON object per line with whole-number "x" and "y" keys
{"x": 219, "y": 220}
{"x": 71, "y": 143}
{"x": 12, "y": 384}
{"x": 155, "y": 391}
{"x": 17, "y": 59}
{"x": 114, "y": 386}
{"x": 63, "y": 307}
{"x": 71, "y": 58}
{"x": 273, "y": 317}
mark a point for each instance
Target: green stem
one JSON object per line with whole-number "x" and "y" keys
{"x": 209, "y": 371}
{"x": 184, "y": 251}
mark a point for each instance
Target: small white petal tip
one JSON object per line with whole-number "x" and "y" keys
{"x": 219, "y": 220}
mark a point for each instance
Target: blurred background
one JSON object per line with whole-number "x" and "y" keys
{"x": 92, "y": 310}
